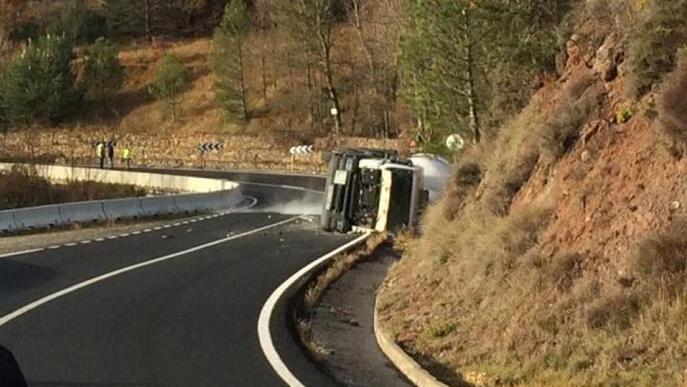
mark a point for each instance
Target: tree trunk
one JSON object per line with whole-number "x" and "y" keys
{"x": 473, "y": 115}
{"x": 147, "y": 11}
{"x": 242, "y": 82}
{"x": 329, "y": 76}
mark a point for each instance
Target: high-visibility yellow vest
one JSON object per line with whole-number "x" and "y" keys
{"x": 126, "y": 153}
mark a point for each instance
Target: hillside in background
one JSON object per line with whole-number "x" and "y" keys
{"x": 557, "y": 257}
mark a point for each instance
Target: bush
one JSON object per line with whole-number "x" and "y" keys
{"x": 103, "y": 74}
{"x": 80, "y": 23}
{"x": 671, "y": 103}
{"x": 660, "y": 262}
{"x": 39, "y": 83}
{"x": 654, "y": 42}
{"x": 564, "y": 127}
{"x": 170, "y": 81}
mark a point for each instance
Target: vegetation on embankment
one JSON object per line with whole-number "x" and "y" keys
{"x": 557, "y": 256}
{"x": 23, "y": 188}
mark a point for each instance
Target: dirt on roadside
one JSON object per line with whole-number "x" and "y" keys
{"x": 343, "y": 324}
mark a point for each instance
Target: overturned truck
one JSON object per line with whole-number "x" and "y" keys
{"x": 372, "y": 189}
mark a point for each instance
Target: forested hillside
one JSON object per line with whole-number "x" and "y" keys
{"x": 387, "y": 68}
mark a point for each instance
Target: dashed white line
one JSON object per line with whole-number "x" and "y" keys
{"x": 111, "y": 237}
{"x": 86, "y": 242}
{"x": 176, "y": 224}
{"x": 42, "y": 301}
{"x": 20, "y": 253}
{"x": 136, "y": 233}
{"x": 99, "y": 239}
{"x": 126, "y": 234}
{"x": 157, "y": 228}
{"x": 70, "y": 244}
{"x": 53, "y": 247}
{"x": 147, "y": 230}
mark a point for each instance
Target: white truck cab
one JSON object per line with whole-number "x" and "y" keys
{"x": 373, "y": 190}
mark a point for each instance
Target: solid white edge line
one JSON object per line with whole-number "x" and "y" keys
{"x": 264, "y": 334}
{"x": 21, "y": 253}
{"x": 51, "y": 297}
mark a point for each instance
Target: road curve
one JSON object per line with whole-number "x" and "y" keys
{"x": 172, "y": 307}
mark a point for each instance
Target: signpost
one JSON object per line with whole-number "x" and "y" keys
{"x": 300, "y": 150}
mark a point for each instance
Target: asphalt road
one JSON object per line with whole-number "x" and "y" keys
{"x": 185, "y": 314}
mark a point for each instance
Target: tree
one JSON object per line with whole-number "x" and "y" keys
{"x": 459, "y": 57}
{"x": 103, "y": 74}
{"x": 139, "y": 17}
{"x": 170, "y": 81}
{"x": 229, "y": 61}
{"x": 310, "y": 23}
{"x": 80, "y": 23}
{"x": 39, "y": 82}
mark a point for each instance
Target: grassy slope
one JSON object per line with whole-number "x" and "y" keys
{"x": 553, "y": 265}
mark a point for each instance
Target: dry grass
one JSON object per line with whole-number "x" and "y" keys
{"x": 671, "y": 103}
{"x": 23, "y": 188}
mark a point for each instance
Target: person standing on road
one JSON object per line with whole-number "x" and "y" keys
{"x": 100, "y": 153}
{"x": 126, "y": 156}
{"x": 111, "y": 153}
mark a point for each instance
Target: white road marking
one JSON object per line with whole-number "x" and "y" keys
{"x": 136, "y": 233}
{"x": 53, "y": 247}
{"x": 176, "y": 224}
{"x": 126, "y": 234}
{"x": 20, "y": 253}
{"x": 167, "y": 226}
{"x": 86, "y": 242}
{"x": 70, "y": 244}
{"x": 99, "y": 239}
{"x": 112, "y": 237}
{"x": 42, "y": 301}
{"x": 157, "y": 228}
{"x": 264, "y": 334}
{"x": 147, "y": 230}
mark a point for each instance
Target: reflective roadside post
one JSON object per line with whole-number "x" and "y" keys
{"x": 335, "y": 113}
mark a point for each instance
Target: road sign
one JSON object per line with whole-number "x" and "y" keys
{"x": 455, "y": 142}
{"x": 210, "y": 146}
{"x": 302, "y": 149}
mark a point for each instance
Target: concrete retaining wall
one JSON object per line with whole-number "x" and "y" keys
{"x": 141, "y": 179}
{"x": 208, "y": 195}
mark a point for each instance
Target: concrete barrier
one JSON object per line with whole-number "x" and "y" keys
{"x": 142, "y": 179}
{"x": 160, "y": 205}
{"x": 37, "y": 217}
{"x": 122, "y": 208}
{"x": 82, "y": 212}
{"x": 207, "y": 194}
{"x": 7, "y": 221}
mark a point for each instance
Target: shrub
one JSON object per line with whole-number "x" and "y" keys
{"x": 170, "y": 81}
{"x": 671, "y": 103}
{"x": 39, "y": 82}
{"x": 654, "y": 41}
{"x": 563, "y": 129}
{"x": 80, "y": 23}
{"x": 660, "y": 262}
{"x": 103, "y": 74}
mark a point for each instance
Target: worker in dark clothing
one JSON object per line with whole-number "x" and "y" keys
{"x": 10, "y": 374}
{"x": 111, "y": 153}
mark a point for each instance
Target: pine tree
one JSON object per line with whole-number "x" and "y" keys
{"x": 229, "y": 58}
{"x": 103, "y": 74}
{"x": 39, "y": 83}
{"x": 170, "y": 81}
{"x": 310, "y": 26}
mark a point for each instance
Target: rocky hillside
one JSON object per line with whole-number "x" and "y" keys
{"x": 557, "y": 256}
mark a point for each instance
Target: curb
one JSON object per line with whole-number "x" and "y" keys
{"x": 404, "y": 363}
{"x": 278, "y": 300}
